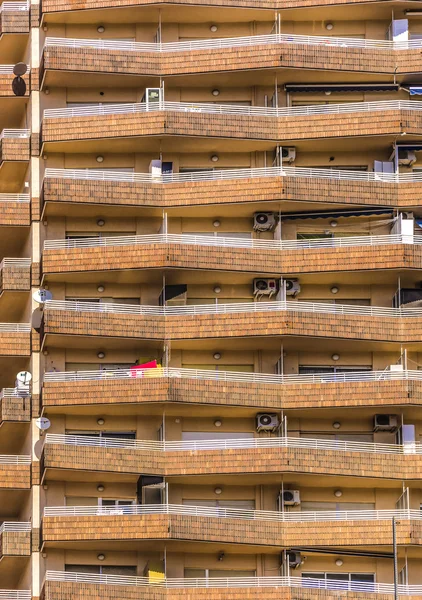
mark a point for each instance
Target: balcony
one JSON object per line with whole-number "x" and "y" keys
{"x": 15, "y": 339}
{"x": 15, "y": 472}
{"x": 289, "y": 257}
{"x": 233, "y": 456}
{"x": 334, "y": 321}
{"x": 229, "y": 526}
{"x": 52, "y": 6}
{"x": 231, "y": 54}
{"x": 76, "y": 586}
{"x": 318, "y": 122}
{"x": 15, "y": 274}
{"x": 230, "y": 186}
{"x": 228, "y": 388}
{"x": 14, "y": 18}
{"x": 15, "y": 405}
{"x": 15, "y": 210}
{"x": 14, "y": 145}
{"x": 15, "y": 539}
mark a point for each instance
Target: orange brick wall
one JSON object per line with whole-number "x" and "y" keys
{"x": 15, "y": 476}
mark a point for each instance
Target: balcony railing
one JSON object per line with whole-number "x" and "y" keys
{"x": 15, "y": 133}
{"x": 232, "y": 109}
{"x": 14, "y": 526}
{"x": 244, "y": 307}
{"x": 233, "y": 582}
{"x": 14, "y": 6}
{"x": 231, "y": 513}
{"x": 16, "y": 263}
{"x": 15, "y": 327}
{"x": 24, "y": 198}
{"x": 211, "y": 44}
{"x": 21, "y": 392}
{"x": 301, "y": 172}
{"x": 13, "y": 459}
{"x": 205, "y": 240}
{"x": 223, "y": 376}
{"x": 15, "y": 595}
{"x": 226, "y": 444}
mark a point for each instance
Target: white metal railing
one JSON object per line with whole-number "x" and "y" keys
{"x": 233, "y": 582}
{"x": 244, "y": 307}
{"x": 232, "y": 109}
{"x": 21, "y": 392}
{"x": 235, "y": 443}
{"x": 205, "y": 240}
{"x": 255, "y": 40}
{"x": 228, "y": 174}
{"x": 14, "y": 526}
{"x": 18, "y": 263}
{"x": 15, "y": 595}
{"x": 15, "y": 327}
{"x": 232, "y": 513}
{"x": 15, "y": 133}
{"x": 15, "y": 198}
{"x": 14, "y": 6}
{"x": 13, "y": 459}
{"x": 238, "y": 376}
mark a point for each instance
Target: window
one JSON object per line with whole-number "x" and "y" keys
{"x": 213, "y": 367}
{"x": 115, "y": 502}
{"x": 308, "y": 370}
{"x": 126, "y": 435}
{"x": 336, "y": 506}
{"x": 101, "y": 569}
{"x": 239, "y": 504}
{"x": 358, "y": 577}
{"x": 344, "y": 301}
{"x": 78, "y": 235}
{"x": 210, "y": 573}
{"x": 230, "y": 234}
{"x": 216, "y": 435}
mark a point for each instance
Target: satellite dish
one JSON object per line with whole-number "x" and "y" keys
{"x": 19, "y": 86}
{"x": 24, "y": 377}
{"x": 20, "y": 69}
{"x": 42, "y": 296}
{"x": 43, "y": 423}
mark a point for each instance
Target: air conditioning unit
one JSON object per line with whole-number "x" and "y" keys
{"x": 291, "y": 497}
{"x": 264, "y": 221}
{"x": 396, "y": 368}
{"x": 264, "y": 287}
{"x": 267, "y": 422}
{"x": 288, "y": 155}
{"x": 386, "y": 423}
{"x": 294, "y": 559}
{"x": 407, "y": 158}
{"x": 292, "y": 287}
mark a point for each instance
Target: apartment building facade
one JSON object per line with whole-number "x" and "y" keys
{"x": 210, "y": 299}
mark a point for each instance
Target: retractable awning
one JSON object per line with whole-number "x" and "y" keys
{"x": 337, "y": 214}
{"x": 415, "y": 91}
{"x": 343, "y": 87}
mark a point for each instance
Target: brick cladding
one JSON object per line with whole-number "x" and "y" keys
{"x": 257, "y": 189}
{"x": 15, "y": 476}
{"x": 54, "y": 590}
{"x": 15, "y": 543}
{"x": 268, "y": 56}
{"x": 252, "y": 260}
{"x": 15, "y": 409}
{"x": 382, "y": 122}
{"x": 231, "y": 461}
{"x": 15, "y": 278}
{"x": 15, "y": 344}
{"x": 232, "y": 393}
{"x": 14, "y": 149}
{"x": 14, "y": 213}
{"x": 244, "y": 324}
{"x": 230, "y": 531}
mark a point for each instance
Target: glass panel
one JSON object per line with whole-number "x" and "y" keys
{"x": 127, "y": 435}
{"x": 241, "y": 368}
{"x": 313, "y": 575}
{"x": 338, "y": 576}
{"x": 118, "y": 570}
{"x": 367, "y": 577}
{"x": 82, "y": 568}
{"x": 226, "y": 573}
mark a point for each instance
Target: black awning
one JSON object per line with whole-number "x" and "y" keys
{"x": 343, "y": 87}
{"x": 338, "y": 213}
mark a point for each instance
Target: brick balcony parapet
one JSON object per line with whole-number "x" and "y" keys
{"x": 226, "y": 191}
{"x": 14, "y": 149}
{"x": 15, "y": 343}
{"x": 227, "y": 530}
{"x": 14, "y": 213}
{"x": 231, "y": 393}
{"x": 15, "y": 408}
{"x": 232, "y": 461}
{"x": 14, "y": 21}
{"x": 15, "y": 278}
{"x": 233, "y": 126}
{"x": 15, "y": 543}
{"x": 236, "y": 259}
{"x": 15, "y": 476}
